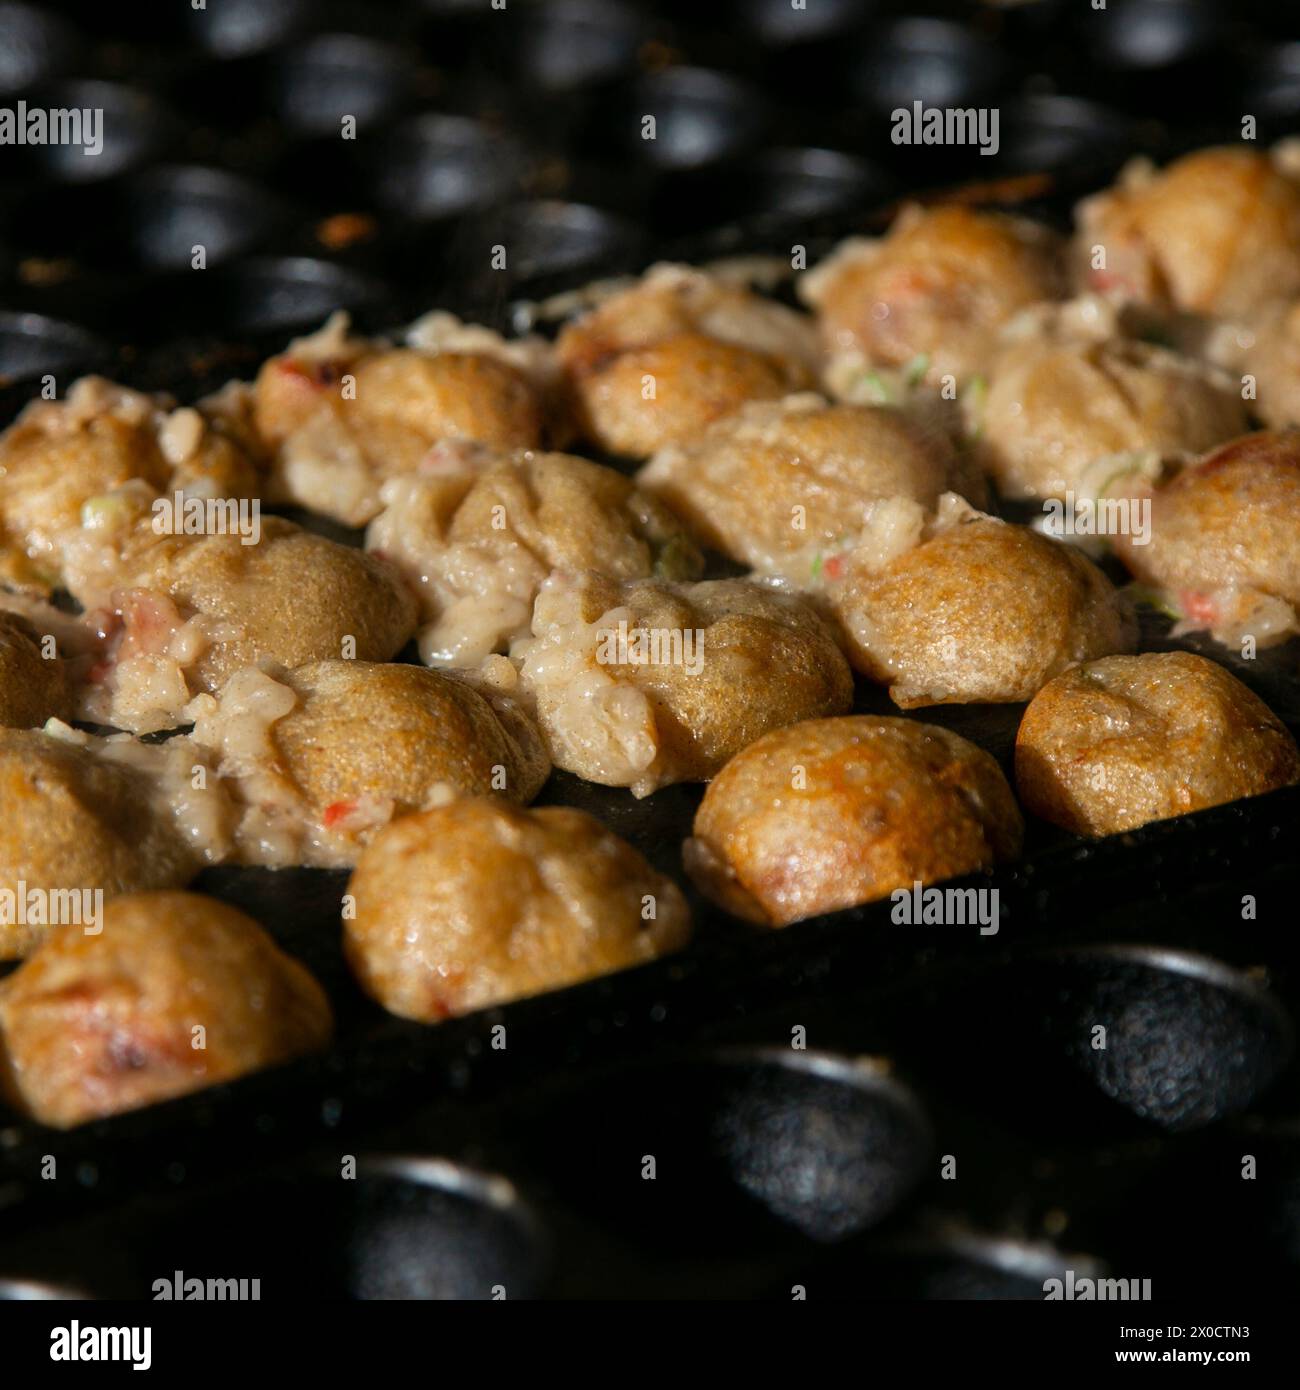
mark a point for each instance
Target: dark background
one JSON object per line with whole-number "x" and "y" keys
{"x": 522, "y": 127}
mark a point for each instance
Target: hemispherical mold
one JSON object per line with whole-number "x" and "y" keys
{"x": 1100, "y": 1040}
{"x": 281, "y": 293}
{"x": 1148, "y": 35}
{"x": 564, "y": 45}
{"x": 781, "y": 186}
{"x": 238, "y": 28}
{"x": 949, "y": 1263}
{"x": 163, "y": 214}
{"x": 32, "y": 345}
{"x": 937, "y": 62}
{"x": 779, "y": 23}
{"x": 314, "y": 86}
{"x": 681, "y": 118}
{"x": 109, "y": 129}
{"x": 38, "y": 1291}
{"x": 1061, "y": 134}
{"x": 35, "y": 47}
{"x": 437, "y": 166}
{"x": 743, "y": 1147}
{"x": 544, "y": 242}
{"x": 404, "y": 1226}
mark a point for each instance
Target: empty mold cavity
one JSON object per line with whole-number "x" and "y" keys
{"x": 404, "y": 1227}
{"x": 744, "y": 1146}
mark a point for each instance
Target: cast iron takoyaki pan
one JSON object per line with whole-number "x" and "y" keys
{"x": 848, "y": 1106}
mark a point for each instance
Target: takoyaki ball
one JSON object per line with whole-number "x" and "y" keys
{"x": 62, "y": 461}
{"x": 176, "y": 993}
{"x": 323, "y": 755}
{"x": 83, "y": 813}
{"x": 658, "y": 361}
{"x": 33, "y": 687}
{"x": 1130, "y": 739}
{"x": 1216, "y": 232}
{"x": 1062, "y": 417}
{"x": 779, "y": 483}
{"x": 477, "y": 903}
{"x": 476, "y": 541}
{"x": 644, "y": 683}
{"x": 341, "y": 417}
{"x": 932, "y": 293}
{"x": 1224, "y": 541}
{"x": 292, "y": 386}
{"x": 1272, "y": 357}
{"x": 182, "y": 614}
{"x": 979, "y": 611}
{"x": 834, "y": 812}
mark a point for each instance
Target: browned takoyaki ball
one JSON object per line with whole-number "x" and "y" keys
{"x": 370, "y": 729}
{"x": 1225, "y": 539}
{"x": 1273, "y": 359}
{"x": 324, "y": 754}
{"x": 981, "y": 611}
{"x": 933, "y": 292}
{"x": 658, "y": 361}
{"x": 293, "y": 597}
{"x": 480, "y": 902}
{"x": 1059, "y": 417}
{"x": 184, "y": 613}
{"x": 33, "y": 687}
{"x": 296, "y": 384}
{"x": 60, "y": 457}
{"x": 1130, "y": 739}
{"x": 341, "y": 419}
{"x": 82, "y": 814}
{"x": 834, "y": 812}
{"x": 476, "y": 540}
{"x": 645, "y": 683}
{"x": 778, "y": 483}
{"x": 1216, "y": 232}
{"x": 176, "y": 993}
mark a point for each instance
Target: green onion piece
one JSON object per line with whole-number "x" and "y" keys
{"x": 677, "y": 559}
{"x": 1158, "y": 599}
{"x": 973, "y": 398}
{"x": 881, "y": 393}
{"x": 916, "y": 368}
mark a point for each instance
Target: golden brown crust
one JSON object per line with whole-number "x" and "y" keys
{"x": 178, "y": 992}
{"x": 1273, "y": 359}
{"x": 697, "y": 379}
{"x": 706, "y": 346}
{"x": 643, "y": 684}
{"x": 33, "y": 688}
{"x": 59, "y": 455}
{"x": 1216, "y": 232}
{"x": 293, "y": 597}
{"x": 480, "y": 902}
{"x": 983, "y": 611}
{"x": 449, "y": 395}
{"x": 1052, "y": 410}
{"x": 936, "y": 288}
{"x": 778, "y": 480}
{"x": 396, "y": 732}
{"x": 1233, "y": 519}
{"x": 341, "y": 419}
{"x": 1130, "y": 739}
{"x": 834, "y": 812}
{"x": 571, "y": 514}
{"x": 73, "y": 820}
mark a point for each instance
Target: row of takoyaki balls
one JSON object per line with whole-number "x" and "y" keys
{"x": 842, "y": 460}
